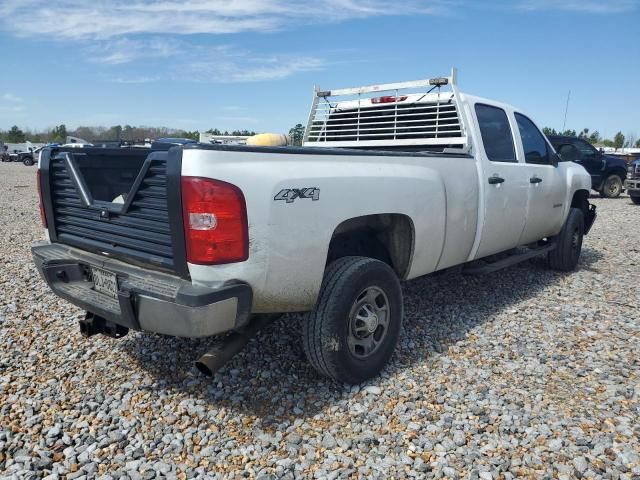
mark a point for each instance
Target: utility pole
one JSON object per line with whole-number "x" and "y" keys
{"x": 566, "y": 110}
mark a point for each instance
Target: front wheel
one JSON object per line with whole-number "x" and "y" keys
{"x": 354, "y": 328}
{"x": 611, "y": 187}
{"x": 28, "y": 161}
{"x": 568, "y": 243}
{"x": 635, "y": 199}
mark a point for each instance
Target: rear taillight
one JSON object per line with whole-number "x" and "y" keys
{"x": 215, "y": 221}
{"x": 388, "y": 99}
{"x": 43, "y": 218}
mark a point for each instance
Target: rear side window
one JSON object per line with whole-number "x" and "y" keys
{"x": 496, "y": 133}
{"x": 587, "y": 151}
{"x": 533, "y": 142}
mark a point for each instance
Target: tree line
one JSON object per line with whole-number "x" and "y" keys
{"x": 129, "y": 133}
{"x": 594, "y": 138}
{"x": 126, "y": 133}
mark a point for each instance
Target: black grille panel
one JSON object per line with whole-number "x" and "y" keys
{"x": 394, "y": 122}
{"x": 142, "y": 233}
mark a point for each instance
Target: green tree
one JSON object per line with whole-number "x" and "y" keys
{"x": 638, "y": 143}
{"x": 549, "y": 131}
{"x": 195, "y": 135}
{"x": 15, "y": 135}
{"x": 607, "y": 143}
{"x": 296, "y": 134}
{"x": 114, "y": 133}
{"x": 595, "y": 138}
{"x": 618, "y": 140}
{"x": 213, "y": 131}
{"x": 59, "y": 134}
{"x": 128, "y": 133}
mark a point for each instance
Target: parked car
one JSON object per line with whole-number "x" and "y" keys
{"x": 608, "y": 173}
{"x": 29, "y": 157}
{"x": 632, "y": 184}
{"x": 195, "y": 240}
{"x": 4, "y": 154}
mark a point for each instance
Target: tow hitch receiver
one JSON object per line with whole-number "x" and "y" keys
{"x": 93, "y": 325}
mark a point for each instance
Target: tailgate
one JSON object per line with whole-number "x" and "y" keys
{"x": 122, "y": 203}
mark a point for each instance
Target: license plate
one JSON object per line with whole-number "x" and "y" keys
{"x": 105, "y": 282}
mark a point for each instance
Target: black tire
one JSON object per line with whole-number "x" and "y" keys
{"x": 635, "y": 200}
{"x": 332, "y": 342}
{"x": 28, "y": 161}
{"x": 566, "y": 255}
{"x": 611, "y": 187}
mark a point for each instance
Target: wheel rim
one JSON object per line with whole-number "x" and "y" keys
{"x": 613, "y": 186}
{"x": 368, "y": 322}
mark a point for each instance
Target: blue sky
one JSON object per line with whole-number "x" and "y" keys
{"x": 230, "y": 64}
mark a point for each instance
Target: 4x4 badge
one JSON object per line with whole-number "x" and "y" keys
{"x": 290, "y": 194}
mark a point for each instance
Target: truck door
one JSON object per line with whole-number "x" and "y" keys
{"x": 547, "y": 183}
{"x": 505, "y": 182}
{"x": 590, "y": 159}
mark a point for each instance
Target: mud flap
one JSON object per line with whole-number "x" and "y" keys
{"x": 590, "y": 218}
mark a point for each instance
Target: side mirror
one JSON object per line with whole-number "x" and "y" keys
{"x": 555, "y": 159}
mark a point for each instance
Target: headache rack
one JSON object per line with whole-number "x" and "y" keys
{"x": 422, "y": 113}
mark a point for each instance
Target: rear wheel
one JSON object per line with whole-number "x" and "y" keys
{"x": 635, "y": 200}
{"x": 566, "y": 255}
{"x": 612, "y": 187}
{"x": 354, "y": 329}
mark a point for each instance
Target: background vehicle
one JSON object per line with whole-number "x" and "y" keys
{"x": 632, "y": 183}
{"x": 192, "y": 240}
{"x": 608, "y": 173}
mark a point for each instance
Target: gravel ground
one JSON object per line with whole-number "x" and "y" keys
{"x": 522, "y": 373}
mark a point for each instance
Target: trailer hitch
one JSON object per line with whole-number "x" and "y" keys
{"x": 93, "y": 325}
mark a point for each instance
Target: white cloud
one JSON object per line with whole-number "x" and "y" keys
{"x": 586, "y": 6}
{"x": 125, "y": 50}
{"x": 226, "y": 64}
{"x": 134, "y": 79}
{"x": 10, "y": 98}
{"x": 239, "y": 120}
{"x": 11, "y": 104}
{"x": 137, "y": 31}
{"x": 79, "y": 19}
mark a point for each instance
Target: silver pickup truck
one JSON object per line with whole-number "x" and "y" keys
{"x": 393, "y": 182}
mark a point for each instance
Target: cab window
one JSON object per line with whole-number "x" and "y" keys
{"x": 496, "y": 133}
{"x": 533, "y": 142}
{"x": 587, "y": 151}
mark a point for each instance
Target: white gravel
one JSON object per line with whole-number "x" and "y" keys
{"x": 522, "y": 373}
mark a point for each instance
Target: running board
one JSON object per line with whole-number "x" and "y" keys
{"x": 507, "y": 262}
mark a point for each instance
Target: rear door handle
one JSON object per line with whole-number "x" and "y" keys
{"x": 495, "y": 180}
{"x": 535, "y": 180}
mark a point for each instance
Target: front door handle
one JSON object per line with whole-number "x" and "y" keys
{"x": 495, "y": 180}
{"x": 535, "y": 180}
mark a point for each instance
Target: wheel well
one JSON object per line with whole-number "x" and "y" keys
{"x": 617, "y": 171}
{"x": 387, "y": 237}
{"x": 581, "y": 200}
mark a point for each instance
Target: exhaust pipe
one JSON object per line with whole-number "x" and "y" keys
{"x": 212, "y": 361}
